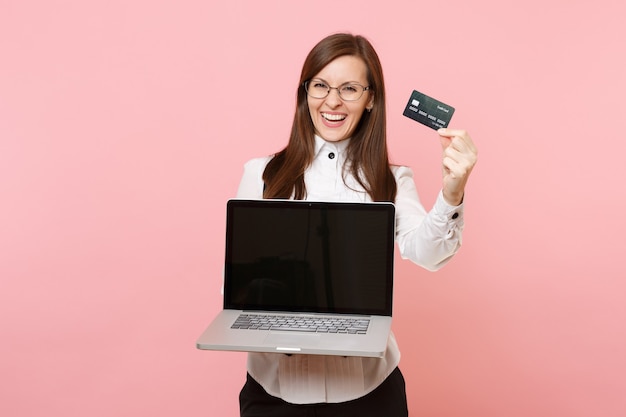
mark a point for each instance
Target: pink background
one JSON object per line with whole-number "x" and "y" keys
{"x": 123, "y": 129}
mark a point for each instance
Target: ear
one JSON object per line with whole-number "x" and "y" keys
{"x": 370, "y": 101}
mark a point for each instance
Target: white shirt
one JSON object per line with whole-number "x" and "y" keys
{"x": 428, "y": 239}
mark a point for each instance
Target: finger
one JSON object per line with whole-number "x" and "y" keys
{"x": 449, "y": 133}
{"x": 457, "y": 149}
{"x": 461, "y": 152}
{"x": 458, "y": 163}
{"x": 445, "y": 142}
{"x": 463, "y": 135}
{"x": 447, "y": 137}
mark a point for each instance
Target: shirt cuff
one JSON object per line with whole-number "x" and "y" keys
{"x": 452, "y": 213}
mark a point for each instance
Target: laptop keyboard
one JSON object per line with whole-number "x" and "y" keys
{"x": 309, "y": 324}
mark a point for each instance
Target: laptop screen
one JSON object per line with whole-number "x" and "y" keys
{"x": 309, "y": 256}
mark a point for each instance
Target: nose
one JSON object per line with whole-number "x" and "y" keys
{"x": 333, "y": 98}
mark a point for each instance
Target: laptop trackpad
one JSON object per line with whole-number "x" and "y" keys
{"x": 292, "y": 339}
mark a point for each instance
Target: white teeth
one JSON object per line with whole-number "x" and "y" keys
{"x": 333, "y": 117}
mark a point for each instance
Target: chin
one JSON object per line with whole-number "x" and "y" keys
{"x": 333, "y": 137}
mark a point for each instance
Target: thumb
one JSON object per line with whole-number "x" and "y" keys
{"x": 444, "y": 139}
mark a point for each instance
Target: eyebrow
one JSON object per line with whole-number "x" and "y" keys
{"x": 346, "y": 82}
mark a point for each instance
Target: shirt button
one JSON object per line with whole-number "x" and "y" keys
{"x": 455, "y": 215}
{"x": 331, "y": 155}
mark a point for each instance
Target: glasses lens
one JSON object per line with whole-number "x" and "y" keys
{"x": 317, "y": 88}
{"x": 351, "y": 92}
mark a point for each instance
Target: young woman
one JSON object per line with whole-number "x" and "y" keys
{"x": 337, "y": 150}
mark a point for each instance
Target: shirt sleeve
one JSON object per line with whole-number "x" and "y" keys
{"x": 251, "y": 184}
{"x": 429, "y": 239}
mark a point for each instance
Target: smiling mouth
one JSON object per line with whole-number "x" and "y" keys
{"x": 334, "y": 117}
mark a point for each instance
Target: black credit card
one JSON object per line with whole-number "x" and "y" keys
{"x": 428, "y": 111}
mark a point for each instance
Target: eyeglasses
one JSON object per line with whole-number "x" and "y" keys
{"x": 317, "y": 88}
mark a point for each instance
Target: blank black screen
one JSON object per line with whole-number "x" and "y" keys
{"x": 309, "y": 256}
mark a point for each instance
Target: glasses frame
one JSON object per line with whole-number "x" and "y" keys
{"x": 306, "y": 88}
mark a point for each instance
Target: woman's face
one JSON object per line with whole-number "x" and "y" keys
{"x": 333, "y": 118}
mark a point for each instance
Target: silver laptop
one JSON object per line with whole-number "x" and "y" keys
{"x": 306, "y": 277}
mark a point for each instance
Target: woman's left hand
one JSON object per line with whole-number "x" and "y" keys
{"x": 459, "y": 157}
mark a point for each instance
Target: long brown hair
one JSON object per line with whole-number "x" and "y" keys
{"x": 367, "y": 150}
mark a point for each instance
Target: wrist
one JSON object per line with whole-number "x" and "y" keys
{"x": 453, "y": 199}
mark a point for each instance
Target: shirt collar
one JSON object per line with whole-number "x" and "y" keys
{"x": 338, "y": 147}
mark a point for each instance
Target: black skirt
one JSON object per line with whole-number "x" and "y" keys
{"x": 387, "y": 400}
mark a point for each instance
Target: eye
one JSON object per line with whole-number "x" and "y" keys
{"x": 350, "y": 88}
{"x": 319, "y": 84}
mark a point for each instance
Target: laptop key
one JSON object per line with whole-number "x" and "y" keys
{"x": 295, "y": 329}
